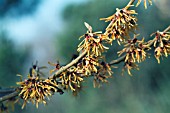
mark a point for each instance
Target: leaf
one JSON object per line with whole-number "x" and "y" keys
{"x": 88, "y": 27}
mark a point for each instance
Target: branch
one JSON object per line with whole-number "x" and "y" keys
{"x": 73, "y": 62}
{"x": 118, "y": 60}
{"x": 16, "y": 93}
{"x": 152, "y": 41}
{"x": 11, "y": 95}
{"x": 122, "y": 58}
{"x": 69, "y": 65}
{"x": 6, "y": 90}
{"x": 84, "y": 53}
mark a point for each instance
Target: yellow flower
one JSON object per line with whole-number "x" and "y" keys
{"x": 102, "y": 75}
{"x": 162, "y": 44}
{"x": 121, "y": 23}
{"x": 145, "y": 5}
{"x": 37, "y": 90}
{"x": 71, "y": 79}
{"x": 97, "y": 47}
{"x": 90, "y": 64}
{"x": 93, "y": 42}
{"x": 129, "y": 66}
{"x": 105, "y": 69}
{"x": 135, "y": 51}
{"x": 57, "y": 66}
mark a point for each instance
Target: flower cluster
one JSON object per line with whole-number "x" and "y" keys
{"x": 37, "y": 90}
{"x": 70, "y": 79}
{"x": 93, "y": 63}
{"x": 73, "y": 77}
{"x": 145, "y": 4}
{"x": 129, "y": 66}
{"x": 102, "y": 75}
{"x": 121, "y": 23}
{"x": 135, "y": 52}
{"x": 162, "y": 44}
{"x": 90, "y": 64}
{"x": 92, "y": 42}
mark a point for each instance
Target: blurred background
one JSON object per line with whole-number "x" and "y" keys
{"x": 48, "y": 30}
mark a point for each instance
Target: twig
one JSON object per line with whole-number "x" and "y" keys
{"x": 118, "y": 60}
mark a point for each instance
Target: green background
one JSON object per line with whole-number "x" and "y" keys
{"x": 147, "y": 91}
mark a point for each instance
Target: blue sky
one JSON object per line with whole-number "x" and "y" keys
{"x": 44, "y": 23}
{"x": 39, "y": 29}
